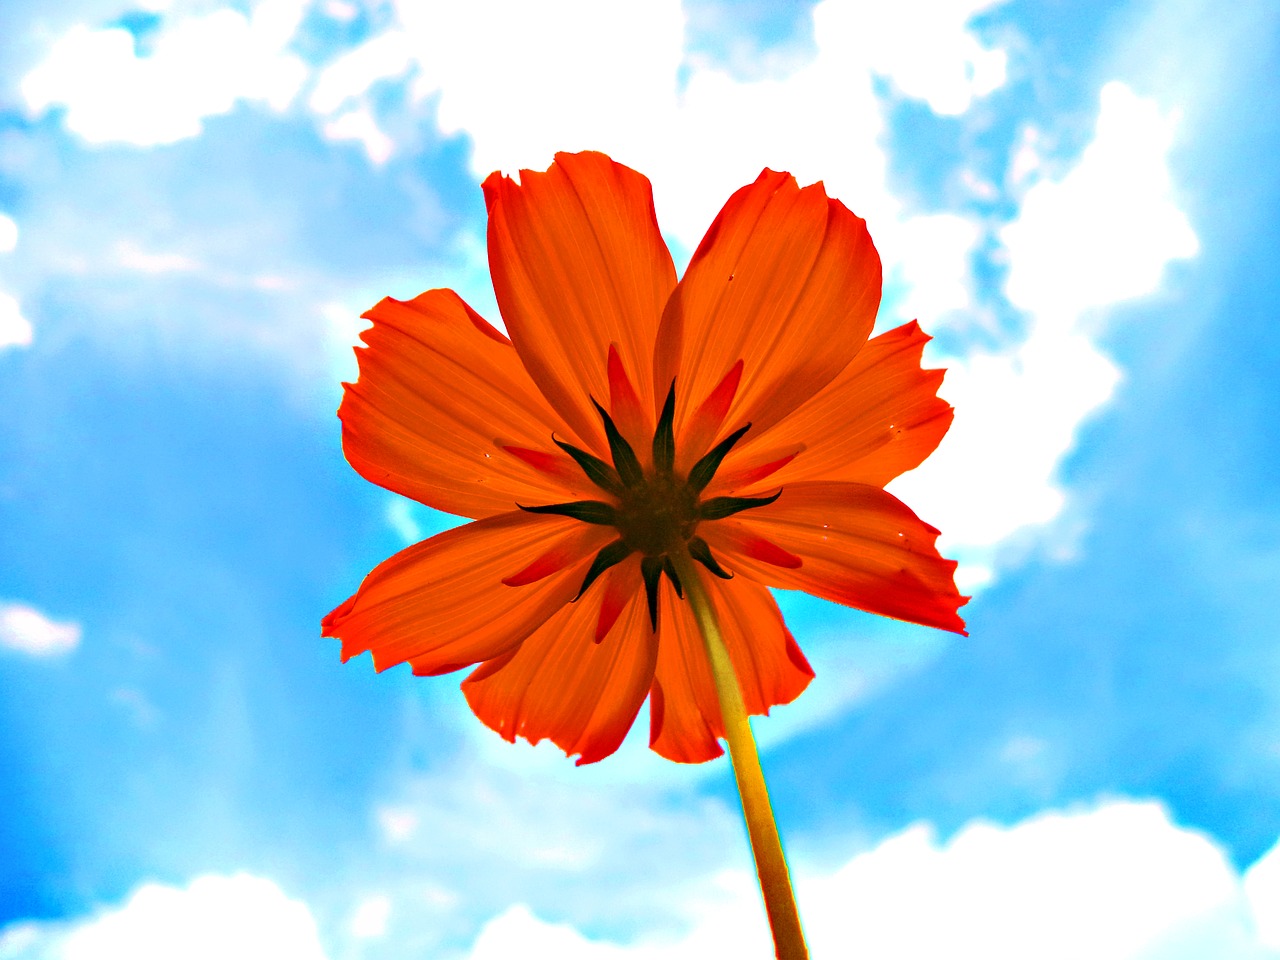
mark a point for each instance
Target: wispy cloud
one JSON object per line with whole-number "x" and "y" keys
{"x": 480, "y": 830}
{"x": 369, "y": 920}
{"x": 15, "y": 329}
{"x": 132, "y": 257}
{"x": 27, "y": 630}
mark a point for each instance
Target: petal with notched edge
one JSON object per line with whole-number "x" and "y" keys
{"x": 440, "y": 394}
{"x": 684, "y": 711}
{"x": 441, "y": 604}
{"x": 786, "y": 280}
{"x": 879, "y": 418}
{"x": 857, "y": 545}
{"x": 560, "y": 684}
{"x": 578, "y": 263}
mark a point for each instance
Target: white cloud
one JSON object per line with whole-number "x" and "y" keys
{"x": 700, "y": 141}
{"x": 727, "y": 929}
{"x": 1110, "y": 883}
{"x": 1100, "y": 235}
{"x": 359, "y": 125}
{"x": 8, "y": 234}
{"x": 370, "y": 918}
{"x": 1116, "y": 882}
{"x": 341, "y": 91}
{"x": 1105, "y": 232}
{"x": 579, "y": 75}
{"x": 19, "y": 939}
{"x": 926, "y": 49}
{"x": 349, "y": 77}
{"x": 1262, "y": 890}
{"x": 199, "y": 66}
{"x": 523, "y": 81}
{"x": 15, "y": 329}
{"x": 342, "y": 336}
{"x": 937, "y": 275}
{"x": 341, "y": 10}
{"x": 1017, "y": 414}
{"x": 213, "y": 918}
{"x": 517, "y": 932}
{"x": 27, "y": 630}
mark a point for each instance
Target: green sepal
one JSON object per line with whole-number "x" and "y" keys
{"x": 597, "y": 471}
{"x": 717, "y": 508}
{"x": 651, "y": 571}
{"x": 699, "y": 550}
{"x": 624, "y": 458}
{"x": 588, "y": 511}
{"x": 612, "y": 554}
{"x": 706, "y": 468}
{"x": 664, "y": 437}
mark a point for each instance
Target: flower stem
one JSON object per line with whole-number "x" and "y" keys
{"x": 766, "y": 848}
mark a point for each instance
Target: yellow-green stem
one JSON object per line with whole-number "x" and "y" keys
{"x": 766, "y": 848}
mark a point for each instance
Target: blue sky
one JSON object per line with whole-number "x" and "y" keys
{"x": 197, "y": 200}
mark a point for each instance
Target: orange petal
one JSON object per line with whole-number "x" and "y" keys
{"x": 684, "y": 712}
{"x": 564, "y": 552}
{"x": 749, "y": 470}
{"x": 562, "y": 685}
{"x": 620, "y": 585}
{"x": 880, "y": 417}
{"x": 858, "y": 546}
{"x": 732, "y": 538}
{"x": 626, "y": 408}
{"x": 441, "y": 603}
{"x": 440, "y": 391}
{"x": 705, "y": 422}
{"x": 788, "y": 281}
{"x": 578, "y": 263}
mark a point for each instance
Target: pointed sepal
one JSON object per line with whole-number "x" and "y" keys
{"x": 699, "y": 550}
{"x": 664, "y": 437}
{"x": 717, "y": 508}
{"x": 588, "y": 511}
{"x": 624, "y": 457}
{"x": 706, "y": 468}
{"x": 669, "y": 569}
{"x": 651, "y": 571}
{"x": 597, "y": 471}
{"x": 608, "y": 556}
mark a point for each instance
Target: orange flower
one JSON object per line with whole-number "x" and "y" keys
{"x": 740, "y": 414}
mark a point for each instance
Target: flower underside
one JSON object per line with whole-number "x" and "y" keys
{"x": 656, "y": 513}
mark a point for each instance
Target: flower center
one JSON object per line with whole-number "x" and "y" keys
{"x": 655, "y": 513}
{"x": 657, "y": 516}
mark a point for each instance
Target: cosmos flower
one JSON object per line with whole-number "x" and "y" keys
{"x": 740, "y": 417}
